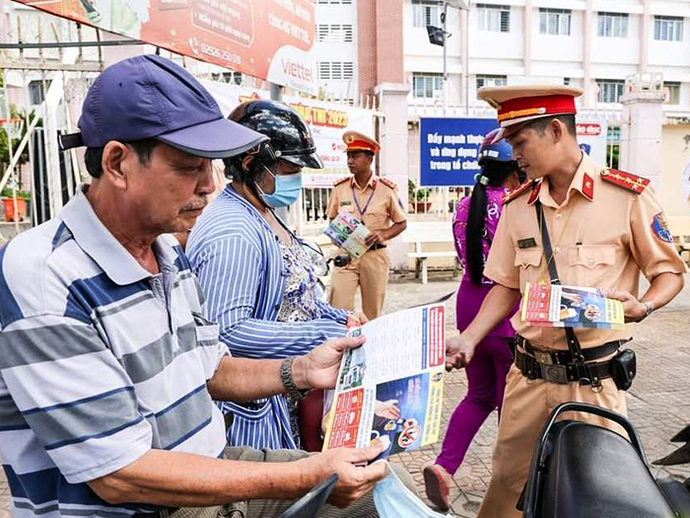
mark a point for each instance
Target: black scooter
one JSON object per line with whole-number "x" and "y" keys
{"x": 581, "y": 470}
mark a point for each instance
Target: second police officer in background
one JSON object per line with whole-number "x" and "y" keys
{"x": 604, "y": 228}
{"x": 374, "y": 201}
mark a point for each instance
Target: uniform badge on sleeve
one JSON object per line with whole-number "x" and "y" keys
{"x": 660, "y": 228}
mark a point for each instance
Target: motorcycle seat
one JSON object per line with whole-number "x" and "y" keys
{"x": 593, "y": 471}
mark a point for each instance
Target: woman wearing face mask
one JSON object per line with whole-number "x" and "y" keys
{"x": 474, "y": 227}
{"x": 259, "y": 282}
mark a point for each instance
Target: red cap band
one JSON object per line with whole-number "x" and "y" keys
{"x": 535, "y": 106}
{"x": 361, "y": 145}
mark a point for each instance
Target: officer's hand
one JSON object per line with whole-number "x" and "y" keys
{"x": 459, "y": 352}
{"x": 376, "y": 237}
{"x": 633, "y": 309}
{"x": 354, "y": 482}
{"x": 356, "y": 319}
{"x": 319, "y": 368}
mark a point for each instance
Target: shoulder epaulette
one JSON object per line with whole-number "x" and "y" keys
{"x": 627, "y": 181}
{"x": 387, "y": 182}
{"x": 341, "y": 180}
{"x": 518, "y": 191}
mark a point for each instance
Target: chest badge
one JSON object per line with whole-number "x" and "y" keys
{"x": 530, "y": 242}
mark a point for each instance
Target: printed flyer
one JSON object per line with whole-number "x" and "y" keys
{"x": 348, "y": 233}
{"x": 570, "y": 306}
{"x": 390, "y": 390}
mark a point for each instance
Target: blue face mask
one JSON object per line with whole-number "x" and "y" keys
{"x": 287, "y": 189}
{"x": 394, "y": 500}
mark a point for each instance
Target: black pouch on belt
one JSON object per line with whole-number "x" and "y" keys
{"x": 623, "y": 369}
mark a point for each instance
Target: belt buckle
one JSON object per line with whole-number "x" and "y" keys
{"x": 554, "y": 373}
{"x": 543, "y": 357}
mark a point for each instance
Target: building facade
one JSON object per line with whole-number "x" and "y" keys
{"x": 593, "y": 44}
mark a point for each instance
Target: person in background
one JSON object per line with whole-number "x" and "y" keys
{"x": 474, "y": 226}
{"x": 373, "y": 200}
{"x": 255, "y": 272}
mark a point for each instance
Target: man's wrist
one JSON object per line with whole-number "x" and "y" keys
{"x": 648, "y": 308}
{"x": 300, "y": 373}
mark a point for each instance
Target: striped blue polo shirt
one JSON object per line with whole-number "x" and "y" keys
{"x": 100, "y": 361}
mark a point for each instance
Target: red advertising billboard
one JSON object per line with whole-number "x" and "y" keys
{"x": 269, "y": 39}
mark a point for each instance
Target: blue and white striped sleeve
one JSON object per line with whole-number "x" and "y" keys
{"x": 328, "y": 311}
{"x": 76, "y": 398}
{"x": 230, "y": 270}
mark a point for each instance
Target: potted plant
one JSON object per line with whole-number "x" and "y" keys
{"x": 419, "y": 198}
{"x": 8, "y": 204}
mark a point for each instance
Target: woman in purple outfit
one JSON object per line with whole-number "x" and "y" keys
{"x": 474, "y": 226}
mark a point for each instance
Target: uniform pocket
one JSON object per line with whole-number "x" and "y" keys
{"x": 524, "y": 258}
{"x": 529, "y": 261}
{"x": 591, "y": 262}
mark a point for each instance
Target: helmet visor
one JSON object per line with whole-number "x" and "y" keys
{"x": 302, "y": 157}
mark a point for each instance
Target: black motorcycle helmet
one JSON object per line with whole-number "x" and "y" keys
{"x": 290, "y": 136}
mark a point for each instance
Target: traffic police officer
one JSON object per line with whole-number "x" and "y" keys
{"x": 374, "y": 201}
{"x": 605, "y": 227}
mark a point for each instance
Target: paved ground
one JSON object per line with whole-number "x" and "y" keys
{"x": 659, "y": 403}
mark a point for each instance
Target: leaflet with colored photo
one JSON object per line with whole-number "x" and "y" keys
{"x": 570, "y": 306}
{"x": 348, "y": 233}
{"x": 390, "y": 390}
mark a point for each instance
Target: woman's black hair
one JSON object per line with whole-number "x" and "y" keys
{"x": 263, "y": 156}
{"x": 475, "y": 232}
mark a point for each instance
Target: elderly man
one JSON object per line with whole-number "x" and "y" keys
{"x": 108, "y": 366}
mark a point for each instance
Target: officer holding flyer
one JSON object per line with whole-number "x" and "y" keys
{"x": 573, "y": 223}
{"x": 374, "y": 201}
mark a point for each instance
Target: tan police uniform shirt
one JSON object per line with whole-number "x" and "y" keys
{"x": 384, "y": 208}
{"x": 602, "y": 236}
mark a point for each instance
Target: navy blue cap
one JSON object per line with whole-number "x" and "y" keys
{"x": 149, "y": 96}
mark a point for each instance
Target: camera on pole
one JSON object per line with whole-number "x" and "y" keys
{"x": 437, "y": 35}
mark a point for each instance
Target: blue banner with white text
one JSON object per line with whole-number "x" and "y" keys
{"x": 449, "y": 149}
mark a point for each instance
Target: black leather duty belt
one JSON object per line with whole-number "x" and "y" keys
{"x": 565, "y": 357}
{"x": 377, "y": 246}
{"x": 533, "y": 369}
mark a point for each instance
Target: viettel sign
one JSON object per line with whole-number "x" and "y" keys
{"x": 269, "y": 39}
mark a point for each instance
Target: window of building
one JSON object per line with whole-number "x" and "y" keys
{"x": 566, "y": 81}
{"x": 554, "y": 21}
{"x": 668, "y": 28}
{"x": 495, "y": 18}
{"x": 612, "y": 25}
{"x": 426, "y": 12}
{"x": 487, "y": 80}
{"x": 671, "y": 92}
{"x": 334, "y": 32}
{"x": 610, "y": 90}
{"x": 37, "y": 91}
{"x": 427, "y": 86}
{"x": 335, "y": 69}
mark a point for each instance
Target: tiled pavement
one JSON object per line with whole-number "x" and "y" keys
{"x": 659, "y": 401}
